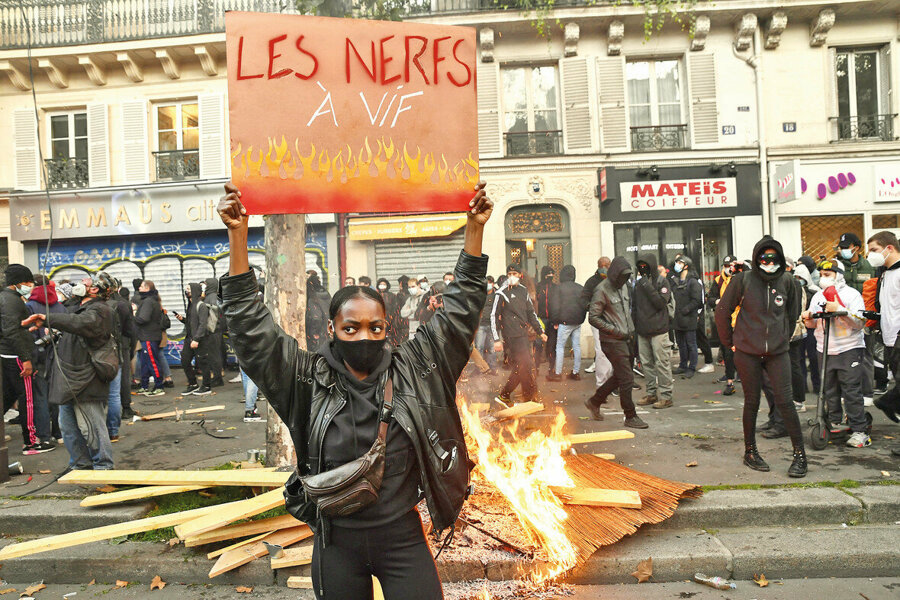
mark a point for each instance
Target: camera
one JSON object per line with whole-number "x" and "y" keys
{"x": 47, "y": 340}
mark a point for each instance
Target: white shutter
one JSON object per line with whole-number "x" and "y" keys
{"x": 578, "y": 128}
{"x": 704, "y": 109}
{"x": 490, "y": 135}
{"x": 25, "y": 148}
{"x": 884, "y": 62}
{"x": 98, "y": 145}
{"x": 212, "y": 135}
{"x": 135, "y": 150}
{"x": 613, "y": 110}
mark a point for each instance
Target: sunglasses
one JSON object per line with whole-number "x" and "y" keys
{"x": 768, "y": 258}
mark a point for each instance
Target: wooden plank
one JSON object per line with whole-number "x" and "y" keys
{"x": 178, "y": 413}
{"x": 241, "y": 556}
{"x": 300, "y": 583}
{"x": 294, "y": 557}
{"x": 221, "y": 551}
{"x": 241, "y": 509}
{"x": 231, "y": 532}
{"x": 606, "y": 456}
{"x": 598, "y": 497}
{"x": 254, "y": 477}
{"x": 140, "y": 493}
{"x": 519, "y": 410}
{"x": 377, "y": 594}
{"x": 599, "y": 436}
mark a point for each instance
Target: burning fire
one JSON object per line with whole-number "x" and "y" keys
{"x": 522, "y": 467}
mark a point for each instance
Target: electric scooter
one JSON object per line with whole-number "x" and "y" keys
{"x": 819, "y": 433}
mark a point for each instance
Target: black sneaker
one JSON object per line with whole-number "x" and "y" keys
{"x": 190, "y": 389}
{"x": 127, "y": 414}
{"x": 753, "y": 460}
{"x": 636, "y": 422}
{"x": 217, "y": 383}
{"x": 722, "y": 379}
{"x": 677, "y": 371}
{"x": 168, "y": 383}
{"x": 38, "y": 448}
{"x": 773, "y": 433}
{"x": 688, "y": 374}
{"x": 252, "y": 416}
{"x": 594, "y": 410}
{"x": 202, "y": 391}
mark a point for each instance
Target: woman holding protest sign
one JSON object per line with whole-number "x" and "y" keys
{"x": 375, "y": 429}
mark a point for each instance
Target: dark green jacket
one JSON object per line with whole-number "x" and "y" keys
{"x": 857, "y": 274}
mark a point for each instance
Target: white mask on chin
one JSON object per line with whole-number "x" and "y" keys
{"x": 513, "y": 280}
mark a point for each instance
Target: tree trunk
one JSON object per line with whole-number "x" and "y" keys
{"x": 285, "y": 241}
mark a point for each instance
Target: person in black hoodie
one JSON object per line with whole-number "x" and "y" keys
{"x": 688, "y": 292}
{"x": 769, "y": 306}
{"x": 652, "y": 303}
{"x": 567, "y": 313}
{"x": 195, "y": 335}
{"x": 151, "y": 321}
{"x": 216, "y": 351}
{"x": 544, "y": 290}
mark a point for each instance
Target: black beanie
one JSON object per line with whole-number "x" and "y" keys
{"x": 16, "y": 274}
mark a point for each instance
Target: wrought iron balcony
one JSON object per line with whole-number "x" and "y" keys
{"x": 658, "y": 138}
{"x": 177, "y": 165}
{"x": 533, "y": 143}
{"x": 66, "y": 173}
{"x": 865, "y": 128}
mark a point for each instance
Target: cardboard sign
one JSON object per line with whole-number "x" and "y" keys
{"x": 348, "y": 115}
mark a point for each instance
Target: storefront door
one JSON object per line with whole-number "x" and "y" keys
{"x": 537, "y": 237}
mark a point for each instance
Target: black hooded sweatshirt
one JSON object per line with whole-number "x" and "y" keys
{"x": 769, "y": 303}
{"x": 610, "y": 310}
{"x": 652, "y": 294}
{"x": 149, "y": 318}
{"x": 352, "y": 432}
{"x": 566, "y": 306}
{"x": 688, "y": 297}
{"x": 212, "y": 302}
{"x": 197, "y": 315}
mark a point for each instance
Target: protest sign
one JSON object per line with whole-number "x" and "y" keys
{"x": 349, "y": 115}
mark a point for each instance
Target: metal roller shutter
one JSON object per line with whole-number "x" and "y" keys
{"x": 431, "y": 257}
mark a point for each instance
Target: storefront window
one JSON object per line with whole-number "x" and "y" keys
{"x": 820, "y": 235}
{"x": 880, "y": 222}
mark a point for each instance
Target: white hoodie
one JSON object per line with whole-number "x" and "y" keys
{"x": 846, "y": 332}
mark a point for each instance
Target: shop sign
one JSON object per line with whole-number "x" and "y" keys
{"x": 390, "y": 228}
{"x": 887, "y": 183}
{"x": 683, "y": 194}
{"x": 787, "y": 181}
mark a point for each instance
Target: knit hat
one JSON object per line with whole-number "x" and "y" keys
{"x": 16, "y": 274}
{"x": 65, "y": 289}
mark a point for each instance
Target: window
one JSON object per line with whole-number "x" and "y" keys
{"x": 67, "y": 166}
{"x": 531, "y": 111}
{"x": 655, "y": 105}
{"x": 177, "y": 141}
{"x": 862, "y": 84}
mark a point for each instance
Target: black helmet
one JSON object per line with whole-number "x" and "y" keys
{"x": 104, "y": 282}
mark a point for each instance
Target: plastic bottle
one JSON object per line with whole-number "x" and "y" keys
{"x": 714, "y": 582}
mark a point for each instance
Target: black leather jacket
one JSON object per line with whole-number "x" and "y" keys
{"x": 424, "y": 371}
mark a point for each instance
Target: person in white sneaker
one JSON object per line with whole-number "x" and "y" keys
{"x": 845, "y": 369}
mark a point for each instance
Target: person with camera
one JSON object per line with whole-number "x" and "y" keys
{"x": 86, "y": 361}
{"x": 44, "y": 299}
{"x": 357, "y": 393}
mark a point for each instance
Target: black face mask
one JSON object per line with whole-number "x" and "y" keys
{"x": 360, "y": 355}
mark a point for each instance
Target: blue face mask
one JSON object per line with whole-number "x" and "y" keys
{"x": 846, "y": 253}
{"x": 679, "y": 267}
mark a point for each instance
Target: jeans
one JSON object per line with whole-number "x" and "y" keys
{"x": 484, "y": 344}
{"x": 656, "y": 357}
{"x": 563, "y": 332}
{"x": 114, "y": 405}
{"x": 778, "y": 368}
{"x": 84, "y": 432}
{"x": 619, "y": 354}
{"x": 151, "y": 364}
{"x": 251, "y": 392}
{"x": 687, "y": 350}
{"x": 602, "y": 366}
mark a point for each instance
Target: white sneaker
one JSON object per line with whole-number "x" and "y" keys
{"x": 236, "y": 379}
{"x": 859, "y": 440}
{"x": 10, "y": 415}
{"x": 868, "y": 401}
{"x": 707, "y": 368}
{"x": 800, "y": 407}
{"x": 591, "y": 368}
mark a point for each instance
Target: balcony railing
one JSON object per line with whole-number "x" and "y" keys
{"x": 658, "y": 138}
{"x": 66, "y": 173}
{"x": 865, "y": 128}
{"x": 69, "y": 22}
{"x": 177, "y": 165}
{"x": 533, "y": 143}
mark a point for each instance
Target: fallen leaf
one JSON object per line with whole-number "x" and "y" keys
{"x": 886, "y": 474}
{"x": 173, "y": 542}
{"x": 206, "y": 494}
{"x": 157, "y": 583}
{"x": 888, "y": 437}
{"x": 104, "y": 489}
{"x": 121, "y": 584}
{"x": 92, "y": 582}
{"x": 693, "y": 463}
{"x": 644, "y": 570}
{"x": 243, "y": 589}
{"x": 761, "y": 580}
{"x": 695, "y": 396}
{"x": 584, "y": 418}
{"x": 7, "y": 591}
{"x": 694, "y": 436}
{"x": 44, "y": 471}
{"x": 230, "y": 428}
{"x": 31, "y": 590}
{"x": 713, "y": 401}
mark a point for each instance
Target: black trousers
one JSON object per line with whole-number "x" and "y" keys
{"x": 811, "y": 356}
{"x": 889, "y": 402}
{"x": 728, "y": 357}
{"x": 201, "y": 353}
{"x": 396, "y": 553}
{"x": 618, "y": 353}
{"x": 522, "y": 363}
{"x": 215, "y": 348}
{"x": 550, "y": 345}
{"x": 125, "y": 380}
{"x": 798, "y": 381}
{"x": 778, "y": 369}
{"x": 703, "y": 342}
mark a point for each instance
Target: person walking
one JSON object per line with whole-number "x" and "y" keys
{"x": 44, "y": 299}
{"x": 123, "y": 325}
{"x": 610, "y": 313}
{"x": 688, "y": 292}
{"x": 151, "y": 321}
{"x": 196, "y": 343}
{"x": 884, "y": 244}
{"x": 512, "y": 318}
{"x": 769, "y": 307}
{"x": 545, "y": 288}
{"x": 653, "y": 306}
{"x": 483, "y": 339}
{"x": 216, "y": 338}
{"x": 411, "y": 306}
{"x": 601, "y": 367}
{"x": 567, "y": 313}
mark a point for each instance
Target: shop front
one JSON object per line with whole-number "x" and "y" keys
{"x": 703, "y": 212}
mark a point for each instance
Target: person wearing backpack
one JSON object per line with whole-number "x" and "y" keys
{"x": 151, "y": 321}
{"x": 196, "y": 333}
{"x": 123, "y": 324}
{"x": 215, "y": 325}
{"x": 86, "y": 361}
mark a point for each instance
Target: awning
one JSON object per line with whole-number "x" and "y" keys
{"x": 405, "y": 226}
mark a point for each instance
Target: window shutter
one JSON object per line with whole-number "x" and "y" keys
{"x": 212, "y": 135}
{"x": 490, "y": 136}
{"x": 704, "y": 109}
{"x": 885, "y": 100}
{"x": 25, "y": 148}
{"x": 98, "y": 145}
{"x": 613, "y": 111}
{"x": 578, "y": 129}
{"x": 135, "y": 150}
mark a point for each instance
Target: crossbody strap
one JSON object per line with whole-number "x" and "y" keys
{"x": 387, "y": 409}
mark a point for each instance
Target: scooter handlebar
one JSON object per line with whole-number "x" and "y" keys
{"x": 828, "y": 315}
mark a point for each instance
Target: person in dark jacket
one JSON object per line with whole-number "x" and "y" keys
{"x": 394, "y": 304}
{"x": 484, "y": 341}
{"x": 123, "y": 327}
{"x": 512, "y": 318}
{"x": 316, "y": 315}
{"x": 769, "y": 307}
{"x": 688, "y": 292}
{"x": 543, "y": 291}
{"x": 44, "y": 299}
{"x": 652, "y": 301}
{"x": 216, "y": 339}
{"x": 331, "y": 403}
{"x": 74, "y": 384}
{"x": 567, "y": 313}
{"x": 601, "y": 368}
{"x": 196, "y": 334}
{"x": 151, "y": 321}
{"x": 610, "y": 314}
{"x": 124, "y": 295}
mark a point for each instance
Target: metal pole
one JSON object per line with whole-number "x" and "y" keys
{"x": 4, "y": 451}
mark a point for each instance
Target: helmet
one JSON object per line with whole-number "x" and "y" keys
{"x": 104, "y": 282}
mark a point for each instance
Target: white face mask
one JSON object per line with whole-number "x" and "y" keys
{"x": 769, "y": 268}
{"x": 827, "y": 282}
{"x": 513, "y": 280}
{"x": 24, "y": 290}
{"x": 382, "y": 287}
{"x": 414, "y": 291}
{"x": 876, "y": 259}
{"x": 423, "y": 285}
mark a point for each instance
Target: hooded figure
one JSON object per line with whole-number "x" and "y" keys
{"x": 566, "y": 307}
{"x": 688, "y": 292}
{"x": 652, "y": 295}
{"x": 216, "y": 341}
